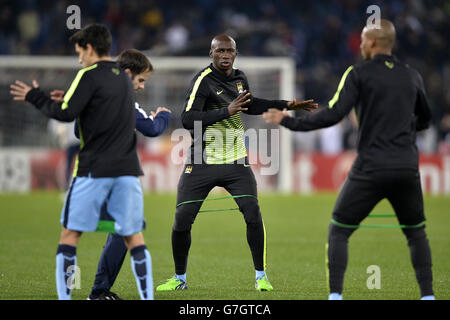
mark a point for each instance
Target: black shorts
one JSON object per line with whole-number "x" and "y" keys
{"x": 363, "y": 190}
{"x": 198, "y": 180}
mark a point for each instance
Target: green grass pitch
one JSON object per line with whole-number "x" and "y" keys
{"x": 220, "y": 265}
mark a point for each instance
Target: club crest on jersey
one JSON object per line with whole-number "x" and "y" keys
{"x": 188, "y": 169}
{"x": 240, "y": 87}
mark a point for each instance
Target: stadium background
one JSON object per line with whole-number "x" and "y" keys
{"x": 321, "y": 38}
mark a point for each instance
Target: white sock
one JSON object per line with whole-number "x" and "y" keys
{"x": 335, "y": 296}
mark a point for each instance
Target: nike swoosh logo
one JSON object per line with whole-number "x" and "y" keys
{"x": 388, "y": 64}
{"x": 219, "y": 92}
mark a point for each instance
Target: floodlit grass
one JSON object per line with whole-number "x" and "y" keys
{"x": 220, "y": 264}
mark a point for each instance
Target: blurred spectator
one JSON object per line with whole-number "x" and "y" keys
{"x": 176, "y": 37}
{"x": 322, "y": 36}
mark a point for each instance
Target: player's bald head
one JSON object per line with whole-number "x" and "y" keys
{"x": 384, "y": 34}
{"x": 223, "y": 52}
{"x": 221, "y": 38}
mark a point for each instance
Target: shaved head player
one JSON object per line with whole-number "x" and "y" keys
{"x": 216, "y": 97}
{"x": 391, "y": 105}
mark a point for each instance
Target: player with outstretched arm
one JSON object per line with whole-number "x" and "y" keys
{"x": 107, "y": 168}
{"x": 391, "y": 105}
{"x": 216, "y": 96}
{"x": 139, "y": 68}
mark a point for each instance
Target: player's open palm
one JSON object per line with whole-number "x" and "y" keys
{"x": 154, "y": 114}
{"x": 237, "y": 104}
{"x": 307, "y": 105}
{"x": 19, "y": 90}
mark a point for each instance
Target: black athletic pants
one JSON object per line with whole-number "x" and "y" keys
{"x": 359, "y": 195}
{"x": 195, "y": 183}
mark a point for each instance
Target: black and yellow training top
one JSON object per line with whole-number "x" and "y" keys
{"x": 217, "y": 137}
{"x": 101, "y": 99}
{"x": 390, "y": 104}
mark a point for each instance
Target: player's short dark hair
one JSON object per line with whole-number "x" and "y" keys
{"x": 134, "y": 60}
{"x": 97, "y": 35}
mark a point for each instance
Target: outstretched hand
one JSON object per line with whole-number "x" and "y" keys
{"x": 307, "y": 105}
{"x": 57, "y": 95}
{"x": 274, "y": 116}
{"x": 19, "y": 90}
{"x": 237, "y": 104}
{"x": 153, "y": 113}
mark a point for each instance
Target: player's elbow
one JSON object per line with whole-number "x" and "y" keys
{"x": 149, "y": 133}
{"x": 64, "y": 117}
{"x": 147, "y": 129}
{"x": 187, "y": 120}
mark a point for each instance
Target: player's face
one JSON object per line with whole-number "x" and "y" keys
{"x": 223, "y": 54}
{"x": 139, "y": 80}
{"x": 84, "y": 55}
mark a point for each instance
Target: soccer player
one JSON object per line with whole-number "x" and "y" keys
{"x": 138, "y": 67}
{"x": 102, "y": 100}
{"x": 216, "y": 96}
{"x": 391, "y": 105}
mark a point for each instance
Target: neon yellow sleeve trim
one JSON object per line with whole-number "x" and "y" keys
{"x": 74, "y": 85}
{"x": 195, "y": 88}
{"x": 335, "y": 99}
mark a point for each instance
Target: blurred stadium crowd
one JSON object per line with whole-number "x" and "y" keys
{"x": 322, "y": 36}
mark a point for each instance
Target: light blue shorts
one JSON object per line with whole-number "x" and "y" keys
{"x": 122, "y": 197}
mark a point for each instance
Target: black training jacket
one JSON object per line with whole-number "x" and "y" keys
{"x": 101, "y": 99}
{"x": 220, "y": 138}
{"x": 390, "y": 104}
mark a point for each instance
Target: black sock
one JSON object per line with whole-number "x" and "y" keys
{"x": 181, "y": 242}
{"x": 337, "y": 256}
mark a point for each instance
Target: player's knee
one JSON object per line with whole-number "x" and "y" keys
{"x": 69, "y": 237}
{"x": 414, "y": 234}
{"x": 250, "y": 209}
{"x": 337, "y": 233}
{"x": 184, "y": 218}
{"x": 134, "y": 240}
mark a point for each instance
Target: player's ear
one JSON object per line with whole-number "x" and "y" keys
{"x": 128, "y": 72}
{"x": 211, "y": 53}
